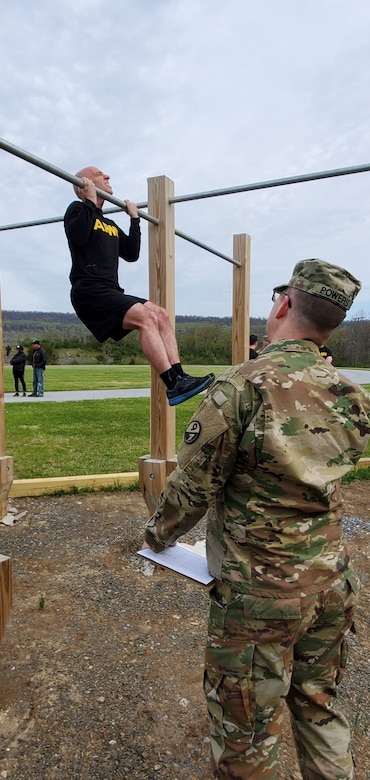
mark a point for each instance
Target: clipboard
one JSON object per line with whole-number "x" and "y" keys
{"x": 182, "y": 559}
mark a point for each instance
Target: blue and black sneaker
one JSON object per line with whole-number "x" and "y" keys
{"x": 187, "y": 386}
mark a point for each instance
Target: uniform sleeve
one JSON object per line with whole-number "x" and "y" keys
{"x": 205, "y": 462}
{"x": 129, "y": 246}
{"x": 79, "y": 221}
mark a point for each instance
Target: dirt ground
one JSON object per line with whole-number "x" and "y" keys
{"x": 101, "y": 661}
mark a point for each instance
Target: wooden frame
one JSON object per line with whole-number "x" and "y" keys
{"x": 158, "y": 464}
{"x": 6, "y": 478}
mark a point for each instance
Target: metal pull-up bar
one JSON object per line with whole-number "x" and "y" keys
{"x": 179, "y": 233}
{"x": 261, "y": 185}
{"x": 264, "y": 185}
{"x": 15, "y": 150}
{"x": 8, "y": 147}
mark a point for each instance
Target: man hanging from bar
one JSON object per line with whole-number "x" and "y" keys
{"x": 96, "y": 243}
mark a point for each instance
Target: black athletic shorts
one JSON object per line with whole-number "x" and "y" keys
{"x": 102, "y": 308}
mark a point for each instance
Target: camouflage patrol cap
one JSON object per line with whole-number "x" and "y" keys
{"x": 325, "y": 281}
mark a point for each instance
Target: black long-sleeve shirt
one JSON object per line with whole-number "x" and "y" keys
{"x": 96, "y": 243}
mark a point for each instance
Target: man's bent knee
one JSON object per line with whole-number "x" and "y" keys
{"x": 140, "y": 316}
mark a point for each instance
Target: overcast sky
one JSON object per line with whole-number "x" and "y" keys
{"x": 210, "y": 94}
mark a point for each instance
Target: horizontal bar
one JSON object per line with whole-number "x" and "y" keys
{"x": 12, "y": 149}
{"x": 206, "y": 247}
{"x": 52, "y": 220}
{"x": 32, "y": 223}
{"x": 263, "y": 185}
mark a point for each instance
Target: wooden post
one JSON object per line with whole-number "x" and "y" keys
{"x": 154, "y": 468}
{"x": 6, "y": 471}
{"x": 6, "y": 478}
{"x": 5, "y": 591}
{"x": 241, "y": 299}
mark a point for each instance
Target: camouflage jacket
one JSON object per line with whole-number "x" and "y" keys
{"x": 264, "y": 454}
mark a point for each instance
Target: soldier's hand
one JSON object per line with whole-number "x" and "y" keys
{"x": 132, "y": 209}
{"x": 88, "y": 191}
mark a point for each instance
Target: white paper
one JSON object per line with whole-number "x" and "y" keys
{"x": 181, "y": 559}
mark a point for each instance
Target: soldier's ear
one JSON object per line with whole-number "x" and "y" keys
{"x": 282, "y": 307}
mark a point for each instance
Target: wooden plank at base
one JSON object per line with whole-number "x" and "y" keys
{"x": 5, "y": 591}
{"x": 363, "y": 463}
{"x": 41, "y": 487}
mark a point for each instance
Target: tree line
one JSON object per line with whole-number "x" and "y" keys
{"x": 203, "y": 341}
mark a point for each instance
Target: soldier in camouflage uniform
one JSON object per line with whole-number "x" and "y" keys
{"x": 264, "y": 455}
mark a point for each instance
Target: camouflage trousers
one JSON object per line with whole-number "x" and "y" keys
{"x": 263, "y": 652}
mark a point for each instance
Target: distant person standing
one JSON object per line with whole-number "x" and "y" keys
{"x": 253, "y": 341}
{"x": 326, "y": 353}
{"x": 18, "y": 361}
{"x": 265, "y": 341}
{"x": 39, "y": 364}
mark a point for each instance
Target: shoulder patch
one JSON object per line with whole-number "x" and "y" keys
{"x": 192, "y": 432}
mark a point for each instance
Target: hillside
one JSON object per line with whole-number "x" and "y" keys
{"x": 202, "y": 340}
{"x": 26, "y": 325}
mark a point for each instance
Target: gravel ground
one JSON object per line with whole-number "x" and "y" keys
{"x": 105, "y": 680}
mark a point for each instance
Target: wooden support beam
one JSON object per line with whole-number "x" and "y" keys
{"x": 241, "y": 298}
{"x": 161, "y": 244}
{"x": 154, "y": 468}
{"x": 171, "y": 465}
{"x": 152, "y": 477}
{"x": 5, "y": 591}
{"x": 6, "y": 464}
{"x": 6, "y": 478}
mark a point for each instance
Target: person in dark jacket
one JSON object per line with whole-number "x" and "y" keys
{"x": 253, "y": 341}
{"x": 96, "y": 243}
{"x": 39, "y": 364}
{"x": 18, "y": 362}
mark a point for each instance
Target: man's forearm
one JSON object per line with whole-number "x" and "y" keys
{"x": 181, "y": 505}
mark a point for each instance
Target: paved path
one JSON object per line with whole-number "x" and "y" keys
{"x": 80, "y": 395}
{"x": 361, "y": 376}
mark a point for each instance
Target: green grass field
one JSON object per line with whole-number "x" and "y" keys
{"x": 95, "y": 377}
{"x": 86, "y": 437}
{"x": 81, "y": 437}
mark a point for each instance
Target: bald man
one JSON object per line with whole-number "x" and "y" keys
{"x": 96, "y": 243}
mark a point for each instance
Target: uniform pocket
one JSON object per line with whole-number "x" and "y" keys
{"x": 231, "y": 703}
{"x": 271, "y": 609}
{"x": 271, "y": 621}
